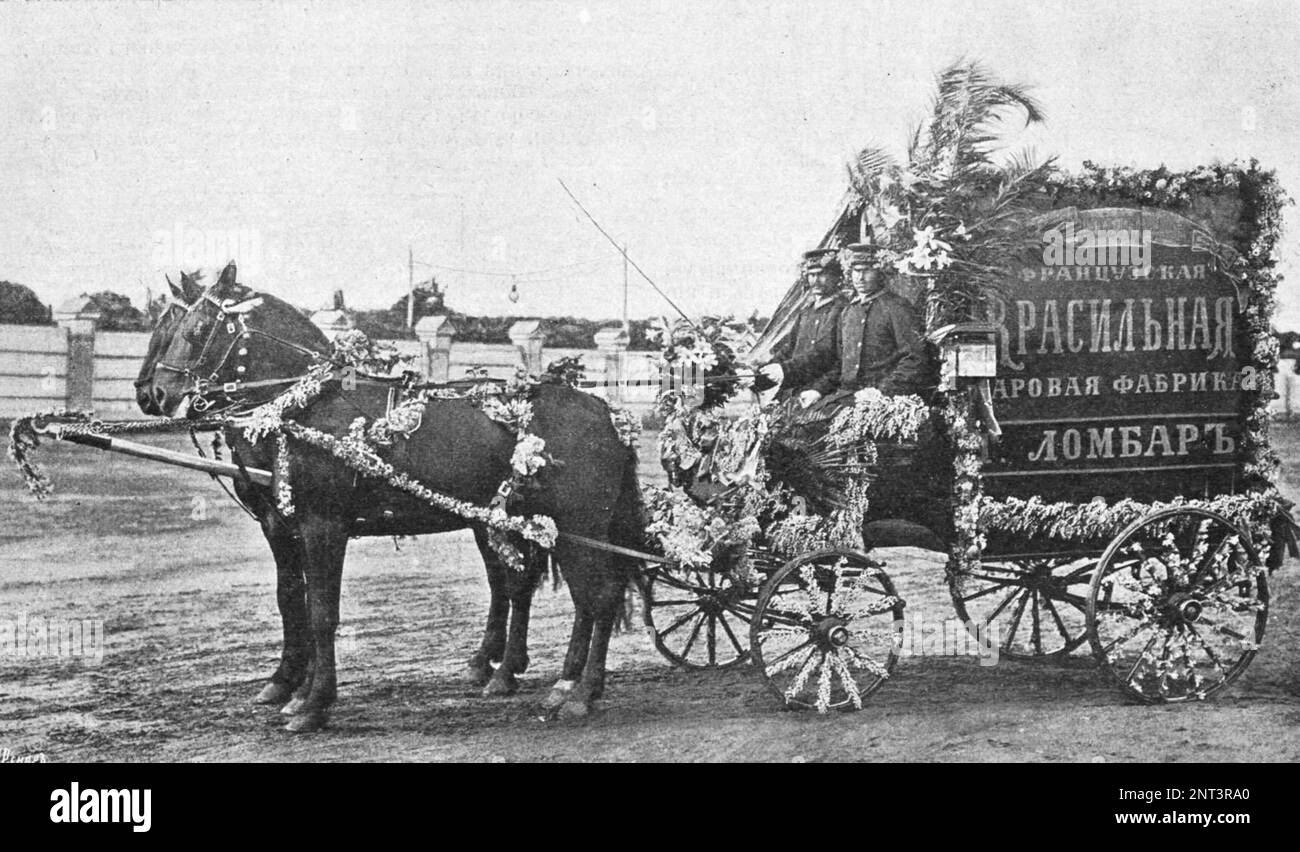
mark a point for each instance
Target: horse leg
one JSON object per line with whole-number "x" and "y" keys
{"x": 520, "y": 586}
{"x": 492, "y": 648}
{"x": 608, "y": 605}
{"x": 575, "y": 660}
{"x": 290, "y": 596}
{"x": 325, "y": 542}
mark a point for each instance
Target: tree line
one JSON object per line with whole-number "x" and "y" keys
{"x": 19, "y": 305}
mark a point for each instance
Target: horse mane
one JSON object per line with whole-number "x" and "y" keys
{"x": 241, "y": 292}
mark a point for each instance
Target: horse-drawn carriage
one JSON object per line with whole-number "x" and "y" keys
{"x": 1094, "y": 460}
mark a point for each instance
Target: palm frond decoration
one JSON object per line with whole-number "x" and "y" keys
{"x": 868, "y": 168}
{"x": 954, "y": 213}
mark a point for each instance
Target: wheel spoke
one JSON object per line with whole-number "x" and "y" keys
{"x": 1223, "y": 629}
{"x": 695, "y": 632}
{"x": 678, "y": 623}
{"x": 1038, "y": 634}
{"x": 726, "y": 628}
{"x": 1205, "y": 646}
{"x": 1124, "y": 639}
{"x": 988, "y": 590}
{"x": 1142, "y": 656}
{"x": 1056, "y": 616}
{"x": 1008, "y": 599}
{"x": 796, "y": 649}
{"x": 712, "y": 639}
{"x": 1015, "y": 618}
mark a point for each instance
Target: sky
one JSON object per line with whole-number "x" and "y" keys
{"x": 318, "y": 143}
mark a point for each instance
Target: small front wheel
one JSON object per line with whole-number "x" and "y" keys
{"x": 692, "y": 619}
{"x": 827, "y": 630}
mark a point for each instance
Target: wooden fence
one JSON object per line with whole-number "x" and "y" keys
{"x": 73, "y": 366}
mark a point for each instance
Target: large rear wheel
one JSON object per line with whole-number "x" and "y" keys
{"x": 1178, "y": 606}
{"x": 1031, "y": 607}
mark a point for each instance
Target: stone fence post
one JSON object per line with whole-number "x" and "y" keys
{"x": 435, "y": 333}
{"x": 529, "y": 339}
{"x": 612, "y": 344}
{"x": 78, "y": 316}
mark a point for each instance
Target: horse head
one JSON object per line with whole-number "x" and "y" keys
{"x": 165, "y": 320}
{"x": 230, "y": 345}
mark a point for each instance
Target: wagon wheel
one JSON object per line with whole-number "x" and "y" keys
{"x": 692, "y": 618}
{"x": 1032, "y": 607}
{"x": 827, "y": 630}
{"x": 1178, "y": 605}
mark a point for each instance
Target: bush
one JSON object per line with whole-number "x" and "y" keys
{"x": 20, "y": 306}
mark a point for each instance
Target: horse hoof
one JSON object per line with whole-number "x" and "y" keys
{"x": 478, "y": 676}
{"x": 500, "y": 686}
{"x": 306, "y": 723}
{"x": 555, "y": 699}
{"x": 574, "y": 710}
{"x": 294, "y": 707}
{"x": 273, "y": 693}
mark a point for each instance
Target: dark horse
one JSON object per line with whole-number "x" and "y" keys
{"x": 200, "y": 345}
{"x": 511, "y": 591}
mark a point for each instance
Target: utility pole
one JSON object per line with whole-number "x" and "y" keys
{"x": 627, "y": 327}
{"x": 410, "y": 287}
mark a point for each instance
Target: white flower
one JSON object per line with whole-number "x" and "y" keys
{"x": 527, "y": 458}
{"x": 658, "y": 330}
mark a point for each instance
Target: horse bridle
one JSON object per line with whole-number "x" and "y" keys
{"x": 240, "y": 333}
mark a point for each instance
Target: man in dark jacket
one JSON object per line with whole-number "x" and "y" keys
{"x": 877, "y": 343}
{"x": 880, "y": 333}
{"x": 816, "y": 329}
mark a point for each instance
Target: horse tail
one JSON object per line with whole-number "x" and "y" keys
{"x": 627, "y": 529}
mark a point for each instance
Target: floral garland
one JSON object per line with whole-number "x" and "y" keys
{"x": 689, "y": 533}
{"x": 280, "y": 476}
{"x": 510, "y": 407}
{"x": 626, "y": 424}
{"x": 1097, "y": 519}
{"x": 356, "y": 452}
{"x": 803, "y": 532}
{"x": 710, "y": 348}
{"x": 879, "y": 417}
{"x": 967, "y": 489}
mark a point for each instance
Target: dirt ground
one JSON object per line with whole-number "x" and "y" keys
{"x": 184, "y": 586}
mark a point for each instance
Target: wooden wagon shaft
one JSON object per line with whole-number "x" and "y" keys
{"x": 143, "y": 451}
{"x": 263, "y": 477}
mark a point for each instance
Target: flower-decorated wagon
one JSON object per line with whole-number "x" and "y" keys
{"x": 1094, "y": 459}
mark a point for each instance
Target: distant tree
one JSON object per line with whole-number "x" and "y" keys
{"x": 382, "y": 324}
{"x": 430, "y": 300}
{"x": 20, "y": 306}
{"x": 118, "y": 314}
{"x": 1289, "y": 342}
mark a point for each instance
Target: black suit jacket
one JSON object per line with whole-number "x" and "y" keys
{"x": 878, "y": 344}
